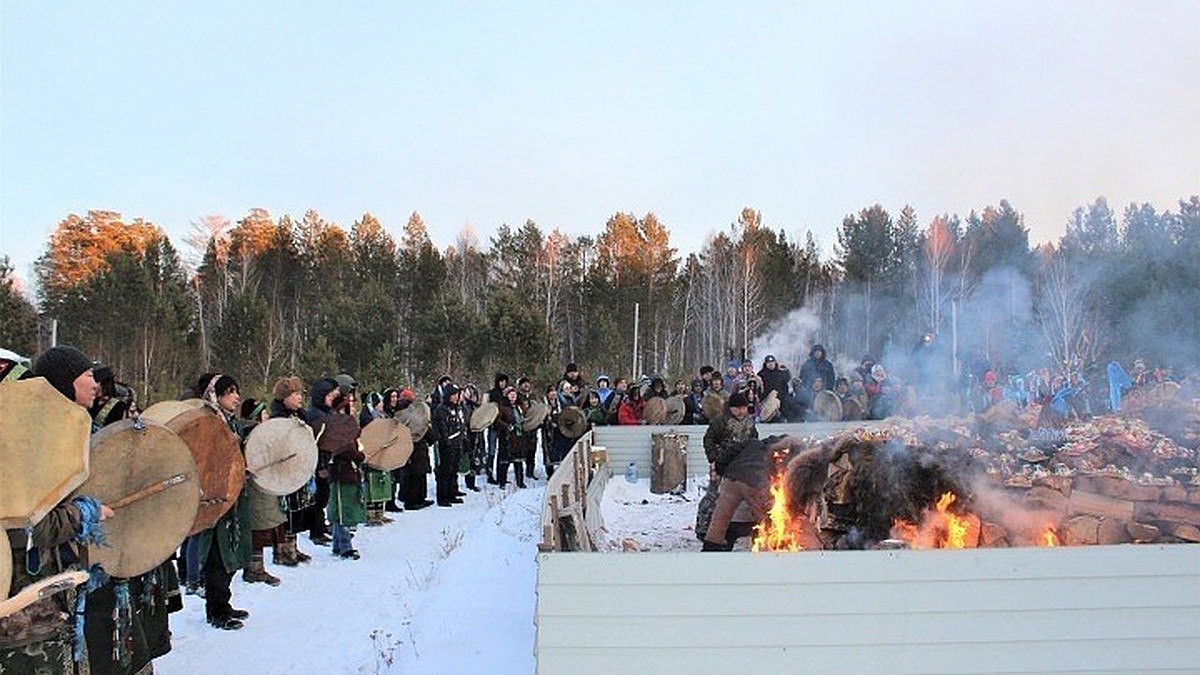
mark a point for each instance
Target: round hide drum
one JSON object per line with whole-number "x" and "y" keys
{"x": 281, "y": 455}
{"x": 484, "y": 415}
{"x": 339, "y": 434}
{"x": 676, "y": 409}
{"x": 535, "y": 416}
{"x": 145, "y": 473}
{"x": 44, "y": 450}
{"x": 6, "y": 568}
{"x": 852, "y": 410}
{"x": 712, "y": 404}
{"x": 827, "y": 406}
{"x": 163, "y": 411}
{"x": 655, "y": 411}
{"x": 387, "y": 443}
{"x": 416, "y": 418}
{"x": 218, "y": 457}
{"x": 572, "y": 423}
{"x": 770, "y": 407}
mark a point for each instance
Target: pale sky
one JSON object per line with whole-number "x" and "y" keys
{"x": 565, "y": 113}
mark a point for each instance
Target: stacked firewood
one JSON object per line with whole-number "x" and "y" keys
{"x": 1107, "y": 481}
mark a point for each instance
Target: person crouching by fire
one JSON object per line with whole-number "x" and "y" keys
{"x": 722, "y": 443}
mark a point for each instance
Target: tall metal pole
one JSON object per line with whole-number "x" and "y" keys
{"x": 637, "y": 308}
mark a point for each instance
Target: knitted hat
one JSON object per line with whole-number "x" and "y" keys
{"x": 407, "y": 395}
{"x": 286, "y": 386}
{"x": 60, "y": 366}
{"x": 738, "y": 400}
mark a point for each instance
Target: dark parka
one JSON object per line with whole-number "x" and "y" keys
{"x": 815, "y": 367}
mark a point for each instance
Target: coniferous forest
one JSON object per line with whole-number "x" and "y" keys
{"x": 265, "y": 295}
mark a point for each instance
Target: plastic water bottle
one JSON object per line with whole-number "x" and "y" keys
{"x": 631, "y": 473}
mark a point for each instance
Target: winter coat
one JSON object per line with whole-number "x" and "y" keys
{"x": 777, "y": 380}
{"x": 346, "y": 466}
{"x": 316, "y": 415}
{"x": 724, "y": 437}
{"x": 630, "y": 411}
{"x": 47, "y": 618}
{"x": 815, "y": 367}
{"x": 230, "y": 531}
{"x": 692, "y": 412}
{"x": 449, "y": 426}
{"x": 514, "y": 440}
{"x": 751, "y": 463}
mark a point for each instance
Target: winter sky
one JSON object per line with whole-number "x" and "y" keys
{"x": 565, "y": 113}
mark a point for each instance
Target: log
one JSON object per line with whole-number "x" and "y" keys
{"x": 668, "y": 463}
{"x": 993, "y": 535}
{"x": 1082, "y": 502}
{"x": 1142, "y": 533}
{"x": 1114, "y": 486}
{"x": 1062, "y": 484}
{"x": 1113, "y": 532}
{"x": 1183, "y": 531}
{"x": 1042, "y": 498}
{"x": 1169, "y": 511}
{"x": 1174, "y": 493}
{"x": 1081, "y": 531}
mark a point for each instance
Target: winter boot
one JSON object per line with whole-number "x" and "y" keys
{"x": 470, "y": 479}
{"x": 301, "y": 556}
{"x": 284, "y": 553}
{"x": 374, "y": 516}
{"x": 255, "y": 572}
{"x": 520, "y": 473}
{"x": 711, "y": 546}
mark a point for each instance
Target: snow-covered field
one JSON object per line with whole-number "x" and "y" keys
{"x": 437, "y": 591}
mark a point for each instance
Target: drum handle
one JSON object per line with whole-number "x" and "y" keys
{"x": 272, "y": 463}
{"x": 149, "y": 491}
{"x": 40, "y": 590}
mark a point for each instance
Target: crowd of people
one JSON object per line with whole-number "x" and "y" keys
{"x": 470, "y": 439}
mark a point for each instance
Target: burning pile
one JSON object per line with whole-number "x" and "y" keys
{"x": 951, "y": 484}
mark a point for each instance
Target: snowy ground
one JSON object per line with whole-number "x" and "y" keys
{"x": 637, "y": 520}
{"x": 438, "y": 591}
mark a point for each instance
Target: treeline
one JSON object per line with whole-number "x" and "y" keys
{"x": 267, "y": 296}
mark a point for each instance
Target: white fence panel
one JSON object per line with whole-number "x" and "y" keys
{"x": 627, "y": 444}
{"x": 1101, "y": 609}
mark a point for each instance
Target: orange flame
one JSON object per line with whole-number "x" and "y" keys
{"x": 1048, "y": 537}
{"x": 956, "y": 527}
{"x": 904, "y": 530}
{"x": 778, "y": 533}
{"x": 939, "y": 528}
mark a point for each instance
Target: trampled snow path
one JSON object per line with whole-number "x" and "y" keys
{"x": 438, "y": 591}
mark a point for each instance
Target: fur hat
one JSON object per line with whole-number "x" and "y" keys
{"x": 286, "y": 386}
{"x": 60, "y": 366}
{"x": 738, "y": 400}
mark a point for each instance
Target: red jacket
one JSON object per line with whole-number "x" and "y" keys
{"x": 630, "y": 411}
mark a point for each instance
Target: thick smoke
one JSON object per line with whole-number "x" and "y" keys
{"x": 788, "y": 339}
